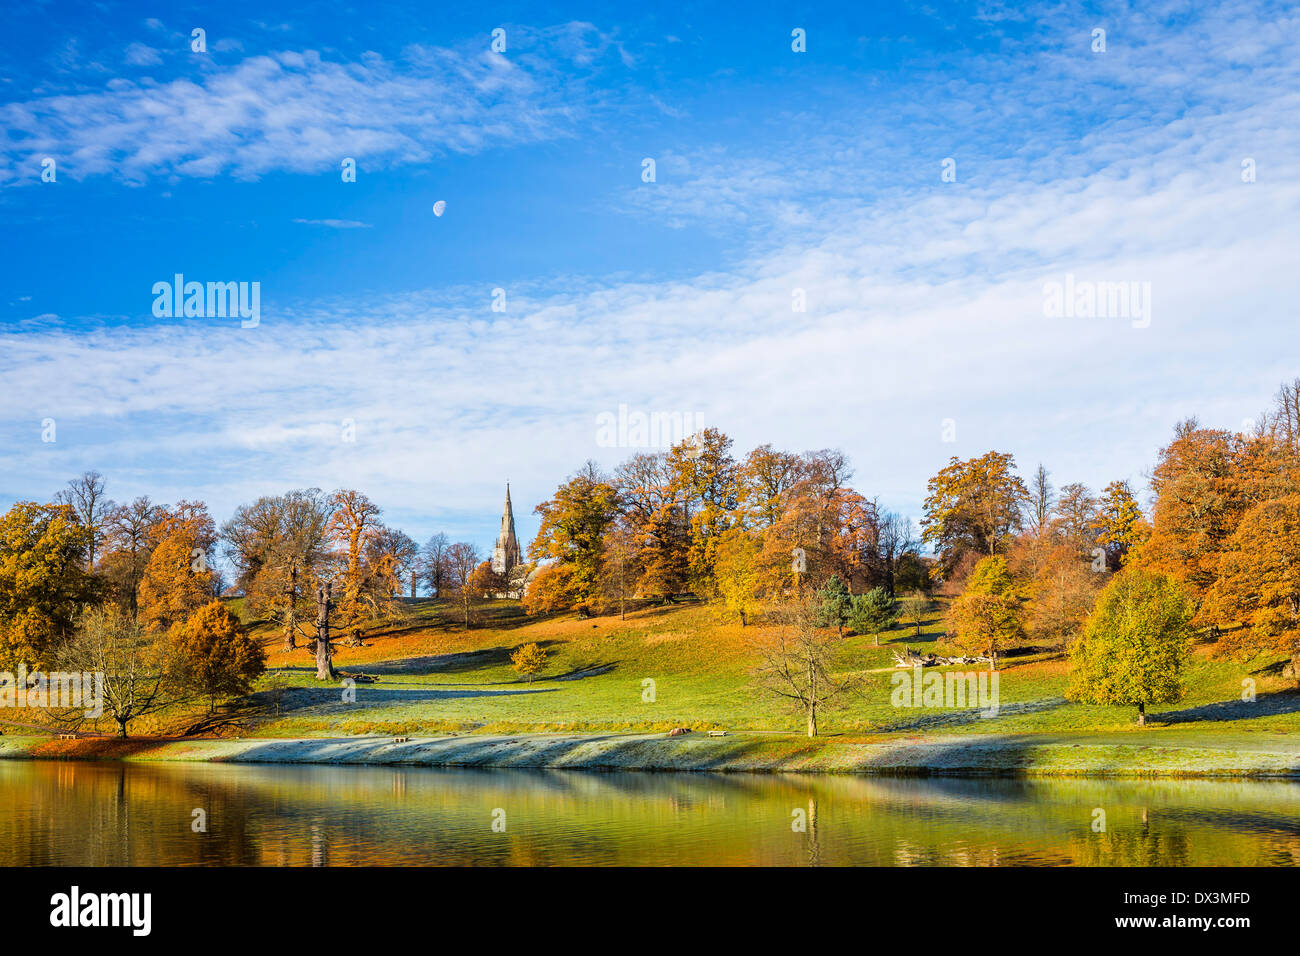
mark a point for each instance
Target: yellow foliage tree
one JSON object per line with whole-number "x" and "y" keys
{"x": 738, "y": 573}
{"x": 528, "y": 660}
{"x": 42, "y": 580}
{"x": 987, "y": 615}
{"x": 1134, "y": 647}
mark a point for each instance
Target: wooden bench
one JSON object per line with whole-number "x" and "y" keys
{"x": 67, "y": 736}
{"x": 717, "y": 733}
{"x": 401, "y": 740}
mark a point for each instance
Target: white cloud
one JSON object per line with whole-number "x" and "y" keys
{"x": 138, "y": 54}
{"x": 334, "y": 223}
{"x": 302, "y": 112}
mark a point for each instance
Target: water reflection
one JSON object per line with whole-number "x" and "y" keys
{"x": 101, "y": 814}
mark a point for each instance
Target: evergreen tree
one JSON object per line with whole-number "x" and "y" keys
{"x": 835, "y": 603}
{"x": 873, "y": 612}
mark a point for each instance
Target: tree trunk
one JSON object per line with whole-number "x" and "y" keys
{"x": 993, "y": 660}
{"x": 324, "y": 656}
{"x": 121, "y": 727}
{"x": 877, "y": 638}
{"x": 324, "y": 660}
{"x": 812, "y": 720}
{"x": 291, "y": 616}
{"x": 1142, "y": 715}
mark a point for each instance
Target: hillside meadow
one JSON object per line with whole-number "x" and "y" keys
{"x": 426, "y": 676}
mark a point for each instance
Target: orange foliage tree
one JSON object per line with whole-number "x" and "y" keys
{"x": 213, "y": 656}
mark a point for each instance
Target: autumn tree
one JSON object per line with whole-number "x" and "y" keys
{"x": 1196, "y": 508}
{"x": 1120, "y": 526}
{"x": 764, "y": 482}
{"x": 737, "y": 573}
{"x": 573, "y": 525}
{"x": 43, "y": 582}
{"x": 1134, "y": 648}
{"x": 873, "y": 612}
{"x": 485, "y": 582}
{"x": 987, "y": 615}
{"x": 1061, "y": 590}
{"x": 1255, "y": 599}
{"x": 550, "y": 590}
{"x": 705, "y": 480}
{"x": 177, "y": 581}
{"x": 214, "y": 657}
{"x": 389, "y": 557}
{"x": 973, "y": 506}
{"x": 528, "y": 660}
{"x": 653, "y": 511}
{"x": 353, "y": 520}
{"x": 824, "y": 528}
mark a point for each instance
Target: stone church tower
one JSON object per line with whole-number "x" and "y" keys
{"x": 507, "y": 556}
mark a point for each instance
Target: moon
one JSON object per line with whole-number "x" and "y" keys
{"x": 438, "y": 207}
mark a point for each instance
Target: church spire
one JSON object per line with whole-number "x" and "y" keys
{"x": 507, "y": 554}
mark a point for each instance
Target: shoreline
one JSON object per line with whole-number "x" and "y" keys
{"x": 951, "y": 755}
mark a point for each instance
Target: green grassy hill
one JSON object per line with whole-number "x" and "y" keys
{"x": 435, "y": 677}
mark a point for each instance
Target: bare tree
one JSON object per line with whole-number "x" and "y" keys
{"x": 889, "y": 541}
{"x": 86, "y": 495}
{"x": 324, "y": 650}
{"x": 796, "y": 662}
{"x": 618, "y": 571}
{"x": 433, "y": 563}
{"x": 138, "y": 672}
{"x": 462, "y": 559}
{"x": 914, "y": 608}
{"x": 129, "y": 537}
{"x": 1075, "y": 516}
{"x": 1285, "y": 417}
{"x": 1038, "y": 511}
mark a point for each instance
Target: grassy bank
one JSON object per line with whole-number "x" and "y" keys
{"x": 1161, "y": 754}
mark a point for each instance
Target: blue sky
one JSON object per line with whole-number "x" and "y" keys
{"x": 775, "y": 170}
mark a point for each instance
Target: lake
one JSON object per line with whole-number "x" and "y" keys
{"x": 110, "y": 814}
